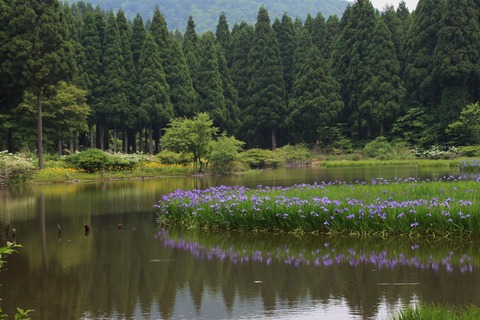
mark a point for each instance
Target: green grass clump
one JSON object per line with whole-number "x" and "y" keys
{"x": 432, "y": 312}
{"x": 446, "y": 207}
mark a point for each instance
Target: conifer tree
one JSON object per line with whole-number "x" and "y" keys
{"x": 318, "y": 31}
{"x": 189, "y": 47}
{"x": 286, "y": 42}
{"x": 114, "y": 101}
{"x": 156, "y": 109}
{"x": 138, "y": 37}
{"x": 397, "y": 30}
{"x": 456, "y": 57}
{"x": 223, "y": 36}
{"x": 242, "y": 36}
{"x": 316, "y": 100}
{"x": 304, "y": 44}
{"x": 267, "y": 110}
{"x": 383, "y": 90}
{"x": 332, "y": 28}
{"x": 40, "y": 50}
{"x": 209, "y": 83}
{"x": 422, "y": 85}
{"x": 230, "y": 94}
{"x": 182, "y": 94}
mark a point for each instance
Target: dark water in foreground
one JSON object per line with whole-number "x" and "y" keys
{"x": 143, "y": 272}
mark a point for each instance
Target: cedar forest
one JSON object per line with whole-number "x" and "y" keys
{"x": 75, "y": 75}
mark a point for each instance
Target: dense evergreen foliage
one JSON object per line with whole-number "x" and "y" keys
{"x": 205, "y": 13}
{"x": 102, "y": 80}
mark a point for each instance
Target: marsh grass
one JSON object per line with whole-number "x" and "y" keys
{"x": 446, "y": 207}
{"x": 430, "y": 312}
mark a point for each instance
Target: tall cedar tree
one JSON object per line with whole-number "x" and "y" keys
{"x": 40, "y": 50}
{"x": 242, "y": 36}
{"x": 351, "y": 64}
{"x": 223, "y": 36}
{"x": 397, "y": 29}
{"x": 456, "y": 57}
{"x": 229, "y": 93}
{"x": 285, "y": 31}
{"x": 422, "y": 85}
{"x": 115, "y": 100}
{"x": 384, "y": 90}
{"x": 318, "y": 31}
{"x": 266, "y": 112}
{"x": 332, "y": 28}
{"x": 182, "y": 94}
{"x": 130, "y": 81}
{"x": 189, "y": 47}
{"x": 209, "y": 83}
{"x": 316, "y": 100}
{"x": 304, "y": 44}
{"x": 155, "y": 109}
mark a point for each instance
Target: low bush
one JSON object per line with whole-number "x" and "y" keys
{"x": 120, "y": 161}
{"x": 470, "y": 151}
{"x": 92, "y": 160}
{"x": 379, "y": 148}
{"x": 171, "y": 157}
{"x": 298, "y": 155}
{"x": 259, "y": 159}
{"x": 435, "y": 152}
{"x": 15, "y": 168}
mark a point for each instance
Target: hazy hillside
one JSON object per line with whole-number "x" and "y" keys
{"x": 206, "y": 13}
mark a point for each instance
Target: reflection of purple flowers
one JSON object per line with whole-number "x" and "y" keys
{"x": 322, "y": 257}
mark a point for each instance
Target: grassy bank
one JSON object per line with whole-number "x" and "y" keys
{"x": 445, "y": 207}
{"x": 429, "y": 312}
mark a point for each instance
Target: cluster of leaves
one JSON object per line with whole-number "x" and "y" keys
{"x": 379, "y": 148}
{"x": 95, "y": 160}
{"x": 15, "y": 168}
{"x": 259, "y": 159}
{"x": 8, "y": 249}
{"x": 172, "y": 157}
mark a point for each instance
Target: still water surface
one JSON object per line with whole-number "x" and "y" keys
{"x": 144, "y": 272}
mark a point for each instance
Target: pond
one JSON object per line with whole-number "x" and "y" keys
{"x": 127, "y": 267}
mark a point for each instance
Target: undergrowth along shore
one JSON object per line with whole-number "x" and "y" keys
{"x": 443, "y": 207}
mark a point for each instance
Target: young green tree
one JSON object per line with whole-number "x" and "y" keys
{"x": 466, "y": 129}
{"x": 190, "y": 136}
{"x": 155, "y": 107}
{"x": 39, "y": 48}
{"x": 316, "y": 100}
{"x": 222, "y": 153}
{"x": 266, "y": 112}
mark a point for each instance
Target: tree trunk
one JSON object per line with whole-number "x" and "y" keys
{"x": 115, "y": 147}
{"x": 140, "y": 141}
{"x": 125, "y": 141}
{"x": 274, "y": 140}
{"x": 150, "y": 140}
{"x": 90, "y": 128}
{"x": 59, "y": 147}
{"x": 40, "y": 131}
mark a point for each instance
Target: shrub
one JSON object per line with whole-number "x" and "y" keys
{"x": 120, "y": 161}
{"x": 379, "y": 148}
{"x": 470, "y": 151}
{"x": 435, "y": 152}
{"x": 92, "y": 160}
{"x": 259, "y": 159}
{"x": 294, "y": 155}
{"x": 15, "y": 168}
{"x": 223, "y": 152}
{"x": 171, "y": 157}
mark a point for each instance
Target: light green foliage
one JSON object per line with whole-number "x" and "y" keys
{"x": 190, "y": 136}
{"x": 466, "y": 130}
{"x": 470, "y": 151}
{"x": 297, "y": 155}
{"x": 7, "y": 250}
{"x": 259, "y": 159}
{"x": 222, "y": 153}
{"x": 379, "y": 148}
{"x": 436, "y": 152}
{"x": 15, "y": 168}
{"x": 171, "y": 157}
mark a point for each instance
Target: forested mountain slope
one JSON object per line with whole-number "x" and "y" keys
{"x": 206, "y": 13}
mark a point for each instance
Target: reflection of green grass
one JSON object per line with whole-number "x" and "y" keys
{"x": 433, "y": 312}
